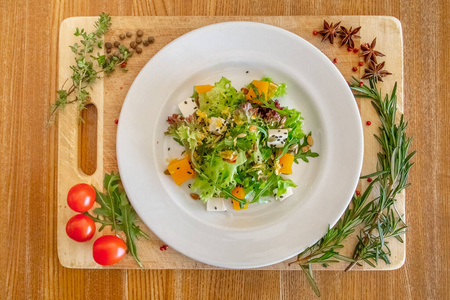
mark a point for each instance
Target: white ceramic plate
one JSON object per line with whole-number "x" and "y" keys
{"x": 263, "y": 234}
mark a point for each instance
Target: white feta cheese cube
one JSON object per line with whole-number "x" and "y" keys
{"x": 277, "y": 138}
{"x": 216, "y": 204}
{"x": 217, "y": 125}
{"x": 187, "y": 107}
{"x": 288, "y": 193}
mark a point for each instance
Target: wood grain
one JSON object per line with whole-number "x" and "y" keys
{"x": 30, "y": 268}
{"x": 111, "y": 92}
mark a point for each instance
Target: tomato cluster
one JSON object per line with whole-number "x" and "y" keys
{"x": 107, "y": 249}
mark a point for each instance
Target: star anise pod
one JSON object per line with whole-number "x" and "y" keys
{"x": 369, "y": 52}
{"x": 375, "y": 71}
{"x": 329, "y": 31}
{"x": 348, "y": 35}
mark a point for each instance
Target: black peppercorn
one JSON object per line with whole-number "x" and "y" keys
{"x": 138, "y": 50}
{"x": 138, "y": 40}
{"x": 133, "y": 44}
{"x": 122, "y": 36}
{"x": 139, "y": 32}
{"x": 151, "y": 39}
{"x": 108, "y": 45}
{"x": 116, "y": 44}
{"x": 129, "y": 34}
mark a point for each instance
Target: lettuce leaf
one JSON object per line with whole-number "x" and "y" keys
{"x": 283, "y": 184}
{"x": 193, "y": 138}
{"x": 219, "y": 98}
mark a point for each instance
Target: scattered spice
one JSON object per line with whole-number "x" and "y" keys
{"x": 361, "y": 83}
{"x": 123, "y": 65}
{"x": 357, "y": 193}
{"x": 355, "y": 50}
{"x": 375, "y": 71}
{"x": 116, "y": 121}
{"x": 138, "y": 40}
{"x": 129, "y": 34}
{"x": 145, "y": 43}
{"x": 315, "y": 32}
{"x": 163, "y": 247}
{"x": 348, "y": 36}
{"x": 354, "y": 69}
{"x": 151, "y": 40}
{"x": 368, "y": 123}
{"x": 138, "y": 50}
{"x": 133, "y": 44}
{"x": 108, "y": 50}
{"x": 108, "y": 45}
{"x": 360, "y": 64}
{"x": 335, "y": 60}
{"x": 116, "y": 44}
{"x": 244, "y": 90}
{"x": 369, "y": 52}
{"x": 139, "y": 32}
{"x": 329, "y": 31}
{"x": 122, "y": 36}
{"x": 349, "y": 49}
{"x": 369, "y": 179}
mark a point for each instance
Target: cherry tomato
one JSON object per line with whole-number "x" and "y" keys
{"x": 80, "y": 228}
{"x": 81, "y": 197}
{"x": 108, "y": 250}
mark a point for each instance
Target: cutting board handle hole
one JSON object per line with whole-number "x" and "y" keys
{"x": 87, "y": 135}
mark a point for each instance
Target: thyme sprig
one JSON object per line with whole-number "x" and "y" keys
{"x": 378, "y": 216}
{"x": 84, "y": 73}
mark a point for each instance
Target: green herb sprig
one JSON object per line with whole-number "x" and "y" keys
{"x": 378, "y": 216}
{"x": 84, "y": 74}
{"x": 394, "y": 163}
{"x": 116, "y": 211}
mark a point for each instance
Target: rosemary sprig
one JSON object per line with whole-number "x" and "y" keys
{"x": 324, "y": 251}
{"x": 378, "y": 216}
{"x": 84, "y": 74}
{"x": 394, "y": 164}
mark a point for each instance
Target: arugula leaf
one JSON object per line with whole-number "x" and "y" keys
{"x": 303, "y": 156}
{"x": 116, "y": 211}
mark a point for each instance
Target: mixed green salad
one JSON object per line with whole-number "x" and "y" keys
{"x": 238, "y": 143}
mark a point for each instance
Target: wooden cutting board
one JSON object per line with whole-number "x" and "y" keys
{"x": 109, "y": 93}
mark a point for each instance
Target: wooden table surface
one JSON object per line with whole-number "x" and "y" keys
{"x": 28, "y": 261}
